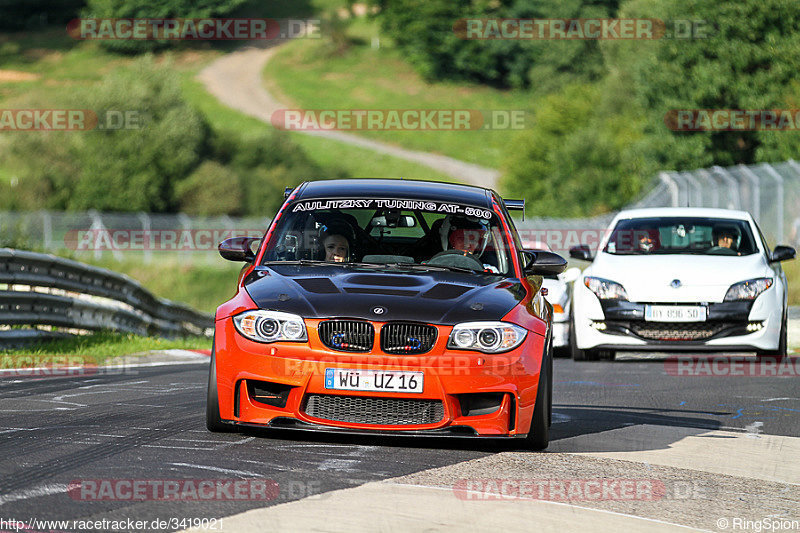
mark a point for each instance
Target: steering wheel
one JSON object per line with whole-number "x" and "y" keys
{"x": 456, "y": 258}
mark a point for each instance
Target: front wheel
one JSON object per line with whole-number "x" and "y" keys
{"x": 539, "y": 435}
{"x": 577, "y": 353}
{"x": 783, "y": 345}
{"x": 214, "y": 421}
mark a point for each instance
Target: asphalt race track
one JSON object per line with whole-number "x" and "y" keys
{"x": 732, "y": 440}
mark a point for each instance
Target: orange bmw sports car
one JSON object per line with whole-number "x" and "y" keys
{"x": 387, "y": 307}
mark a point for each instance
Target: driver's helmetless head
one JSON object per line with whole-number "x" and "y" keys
{"x": 725, "y": 237}
{"x": 336, "y": 247}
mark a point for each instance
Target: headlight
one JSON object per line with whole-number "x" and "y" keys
{"x": 270, "y": 326}
{"x": 748, "y": 290}
{"x": 486, "y": 337}
{"x": 605, "y": 289}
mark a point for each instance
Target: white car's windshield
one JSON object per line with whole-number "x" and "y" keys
{"x": 681, "y": 235}
{"x": 456, "y": 238}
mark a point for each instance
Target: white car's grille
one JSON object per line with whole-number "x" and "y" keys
{"x": 677, "y": 331}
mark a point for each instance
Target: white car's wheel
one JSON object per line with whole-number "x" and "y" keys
{"x": 577, "y": 353}
{"x": 783, "y": 347}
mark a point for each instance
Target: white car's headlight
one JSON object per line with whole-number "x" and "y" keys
{"x": 605, "y": 289}
{"x": 270, "y": 326}
{"x": 486, "y": 337}
{"x": 748, "y": 290}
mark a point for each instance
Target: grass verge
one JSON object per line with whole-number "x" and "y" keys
{"x": 201, "y": 286}
{"x": 94, "y": 349}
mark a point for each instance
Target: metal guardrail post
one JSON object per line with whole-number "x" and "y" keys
{"x": 47, "y": 230}
{"x": 147, "y": 253}
{"x": 755, "y": 183}
{"x": 736, "y": 199}
{"x": 673, "y": 187}
{"x": 697, "y": 200}
{"x": 714, "y": 186}
{"x": 779, "y": 181}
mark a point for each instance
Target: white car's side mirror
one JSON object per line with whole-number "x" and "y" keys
{"x": 570, "y": 275}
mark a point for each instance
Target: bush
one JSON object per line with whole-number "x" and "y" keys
{"x": 135, "y": 169}
{"x": 211, "y": 189}
{"x": 423, "y": 29}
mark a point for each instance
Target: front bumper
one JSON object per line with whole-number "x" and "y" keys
{"x": 561, "y": 331}
{"x": 451, "y": 377}
{"x": 730, "y": 326}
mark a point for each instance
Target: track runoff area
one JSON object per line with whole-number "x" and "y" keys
{"x": 633, "y": 444}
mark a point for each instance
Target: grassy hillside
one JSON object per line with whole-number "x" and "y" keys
{"x": 314, "y": 74}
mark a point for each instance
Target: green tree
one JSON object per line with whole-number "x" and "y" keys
{"x": 749, "y": 60}
{"x": 580, "y": 157}
{"x": 212, "y": 189}
{"x": 155, "y": 9}
{"x": 424, "y": 30}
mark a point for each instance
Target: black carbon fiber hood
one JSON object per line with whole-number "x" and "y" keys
{"x": 435, "y": 297}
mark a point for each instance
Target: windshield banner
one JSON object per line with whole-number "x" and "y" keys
{"x": 409, "y": 205}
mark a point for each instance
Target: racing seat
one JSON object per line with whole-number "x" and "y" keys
{"x": 428, "y": 245}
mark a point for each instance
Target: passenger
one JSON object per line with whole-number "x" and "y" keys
{"x": 646, "y": 243}
{"x": 336, "y": 247}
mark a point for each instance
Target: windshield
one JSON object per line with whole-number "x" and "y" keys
{"x": 382, "y": 232}
{"x": 681, "y": 235}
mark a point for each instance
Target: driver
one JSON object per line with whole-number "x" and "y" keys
{"x": 467, "y": 234}
{"x": 725, "y": 239}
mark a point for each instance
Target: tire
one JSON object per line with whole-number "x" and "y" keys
{"x": 550, "y": 385}
{"x": 783, "y": 346}
{"x": 214, "y": 421}
{"x": 539, "y": 435}
{"x": 577, "y": 353}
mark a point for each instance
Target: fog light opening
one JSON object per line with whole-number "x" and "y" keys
{"x": 755, "y": 326}
{"x": 600, "y": 326}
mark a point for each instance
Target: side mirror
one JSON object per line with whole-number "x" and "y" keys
{"x": 238, "y": 249}
{"x": 570, "y": 275}
{"x": 541, "y": 263}
{"x": 582, "y": 252}
{"x": 782, "y": 253}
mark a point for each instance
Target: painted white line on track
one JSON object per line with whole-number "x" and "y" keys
{"x": 218, "y": 469}
{"x": 44, "y": 490}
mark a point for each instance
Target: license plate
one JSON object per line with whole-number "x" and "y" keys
{"x": 675, "y": 313}
{"x": 373, "y": 380}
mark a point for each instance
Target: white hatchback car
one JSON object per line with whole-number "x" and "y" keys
{"x": 671, "y": 279}
{"x": 559, "y": 294}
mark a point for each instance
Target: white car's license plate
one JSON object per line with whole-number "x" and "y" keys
{"x": 675, "y": 313}
{"x": 373, "y": 380}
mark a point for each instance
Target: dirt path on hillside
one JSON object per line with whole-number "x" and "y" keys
{"x": 235, "y": 79}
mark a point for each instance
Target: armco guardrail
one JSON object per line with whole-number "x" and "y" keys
{"x": 119, "y": 302}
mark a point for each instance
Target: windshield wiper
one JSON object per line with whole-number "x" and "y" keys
{"x": 299, "y": 262}
{"x": 417, "y": 266}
